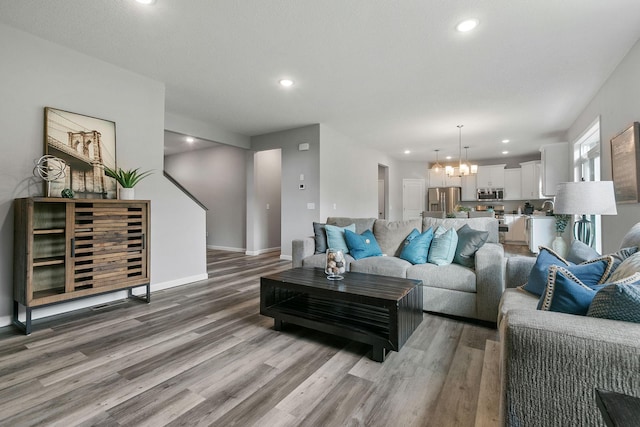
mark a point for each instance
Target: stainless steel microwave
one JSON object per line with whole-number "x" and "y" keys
{"x": 490, "y": 194}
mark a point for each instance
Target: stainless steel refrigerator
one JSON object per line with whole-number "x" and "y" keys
{"x": 443, "y": 199}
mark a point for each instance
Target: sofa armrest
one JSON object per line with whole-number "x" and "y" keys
{"x": 302, "y": 248}
{"x": 490, "y": 267}
{"x": 518, "y": 269}
{"x": 553, "y": 362}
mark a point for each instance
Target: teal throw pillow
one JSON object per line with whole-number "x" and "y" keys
{"x": 565, "y": 293}
{"x": 443, "y": 246}
{"x": 618, "y": 300}
{"x": 416, "y": 246}
{"x": 469, "y": 241}
{"x": 335, "y": 236}
{"x": 362, "y": 245}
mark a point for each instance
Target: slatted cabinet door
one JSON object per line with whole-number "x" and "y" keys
{"x": 66, "y": 249}
{"x": 109, "y": 245}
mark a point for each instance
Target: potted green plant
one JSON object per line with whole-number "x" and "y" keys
{"x": 127, "y": 180}
{"x": 558, "y": 244}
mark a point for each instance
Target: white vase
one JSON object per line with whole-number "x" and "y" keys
{"x": 127, "y": 194}
{"x": 559, "y": 246}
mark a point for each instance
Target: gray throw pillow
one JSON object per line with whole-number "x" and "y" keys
{"x": 580, "y": 252}
{"x": 321, "y": 237}
{"x": 469, "y": 241}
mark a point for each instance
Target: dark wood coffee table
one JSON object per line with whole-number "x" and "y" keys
{"x": 378, "y": 310}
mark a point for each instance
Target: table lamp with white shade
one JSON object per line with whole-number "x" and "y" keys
{"x": 585, "y": 198}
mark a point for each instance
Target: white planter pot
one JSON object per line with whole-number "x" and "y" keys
{"x": 127, "y": 194}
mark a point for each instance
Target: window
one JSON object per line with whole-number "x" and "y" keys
{"x": 586, "y": 161}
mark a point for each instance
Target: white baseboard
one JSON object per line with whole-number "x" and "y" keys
{"x": 225, "y": 248}
{"x": 286, "y": 257}
{"x": 262, "y": 251}
{"x": 52, "y": 310}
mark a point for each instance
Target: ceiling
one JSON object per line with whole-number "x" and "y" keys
{"x": 394, "y": 75}
{"x": 175, "y": 143}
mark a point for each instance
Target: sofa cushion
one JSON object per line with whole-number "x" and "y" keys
{"x": 443, "y": 246}
{"x": 320, "y": 261}
{"x": 627, "y": 268}
{"x": 483, "y": 224}
{"x": 469, "y": 241}
{"x": 565, "y": 293}
{"x": 382, "y": 265}
{"x": 515, "y": 298}
{"x": 451, "y": 276}
{"x": 591, "y": 272}
{"x": 391, "y": 234}
{"x": 335, "y": 237}
{"x": 362, "y": 224}
{"x": 618, "y": 301}
{"x": 320, "y": 236}
{"x": 362, "y": 245}
{"x": 416, "y": 246}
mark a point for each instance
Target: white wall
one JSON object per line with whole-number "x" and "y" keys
{"x": 297, "y": 218}
{"x": 210, "y": 131}
{"x": 349, "y": 178}
{"x": 618, "y": 105}
{"x": 36, "y": 73}
{"x": 216, "y": 176}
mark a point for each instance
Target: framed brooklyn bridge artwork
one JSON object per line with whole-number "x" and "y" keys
{"x": 85, "y": 145}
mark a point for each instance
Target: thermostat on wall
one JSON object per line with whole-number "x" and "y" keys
{"x": 301, "y": 187}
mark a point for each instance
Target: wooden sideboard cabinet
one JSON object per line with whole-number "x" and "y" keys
{"x": 66, "y": 249}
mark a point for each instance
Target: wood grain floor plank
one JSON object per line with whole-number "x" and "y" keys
{"x": 488, "y": 412}
{"x": 200, "y": 354}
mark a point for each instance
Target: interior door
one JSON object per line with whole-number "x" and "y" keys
{"x": 381, "y": 199}
{"x": 413, "y": 198}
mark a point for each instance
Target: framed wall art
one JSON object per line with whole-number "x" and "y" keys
{"x": 86, "y": 145}
{"x": 624, "y": 164}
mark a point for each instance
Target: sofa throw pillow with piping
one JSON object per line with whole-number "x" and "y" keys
{"x": 335, "y": 237}
{"x": 618, "y": 301}
{"x": 320, "y": 236}
{"x": 416, "y": 246}
{"x": 362, "y": 245}
{"x": 469, "y": 241}
{"x": 593, "y": 272}
{"x": 626, "y": 268}
{"x": 580, "y": 252}
{"x": 565, "y": 293}
{"x": 443, "y": 246}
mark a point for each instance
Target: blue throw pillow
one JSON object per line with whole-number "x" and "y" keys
{"x": 362, "y": 245}
{"x": 335, "y": 236}
{"x": 593, "y": 272}
{"x": 443, "y": 246}
{"x": 618, "y": 300}
{"x": 416, "y": 246}
{"x": 565, "y": 293}
{"x": 469, "y": 241}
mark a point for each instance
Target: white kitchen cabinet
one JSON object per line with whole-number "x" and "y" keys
{"x": 541, "y": 230}
{"x": 469, "y": 188}
{"x": 490, "y": 176}
{"x": 530, "y": 172}
{"x": 454, "y": 180}
{"x": 513, "y": 184}
{"x": 517, "y": 228}
{"x": 554, "y": 167}
{"x": 436, "y": 179}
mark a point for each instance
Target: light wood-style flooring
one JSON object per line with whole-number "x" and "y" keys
{"x": 201, "y": 354}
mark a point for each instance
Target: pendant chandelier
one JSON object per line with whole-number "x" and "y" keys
{"x": 464, "y": 168}
{"x": 437, "y": 167}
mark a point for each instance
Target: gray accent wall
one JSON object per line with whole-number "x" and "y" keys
{"x": 617, "y": 103}
{"x": 297, "y": 213}
{"x": 36, "y": 73}
{"x": 216, "y": 176}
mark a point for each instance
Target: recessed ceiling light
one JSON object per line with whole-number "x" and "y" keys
{"x": 467, "y": 25}
{"x": 286, "y": 82}
{"x": 505, "y": 152}
{"x": 504, "y": 141}
{"x": 190, "y": 140}
{"x": 448, "y": 157}
{"x": 407, "y": 151}
{"x": 147, "y": 2}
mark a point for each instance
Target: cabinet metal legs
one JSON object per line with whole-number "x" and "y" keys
{"x": 26, "y": 326}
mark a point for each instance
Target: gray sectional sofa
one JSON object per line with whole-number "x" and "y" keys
{"x": 450, "y": 289}
{"x": 553, "y": 362}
